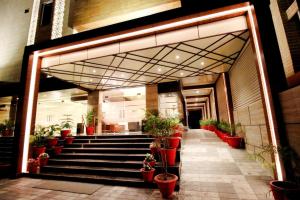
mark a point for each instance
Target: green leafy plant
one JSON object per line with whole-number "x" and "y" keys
{"x": 43, "y": 156}
{"x": 51, "y": 130}
{"x": 9, "y": 124}
{"x": 149, "y": 158}
{"x": 67, "y": 122}
{"x": 38, "y": 139}
{"x": 147, "y": 166}
{"x": 208, "y": 122}
{"x": 90, "y": 118}
{"x": 2, "y": 127}
{"x": 226, "y": 127}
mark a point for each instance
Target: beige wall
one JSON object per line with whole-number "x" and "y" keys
{"x": 290, "y": 102}
{"x": 247, "y": 101}
{"x": 221, "y": 99}
{"x": 90, "y": 14}
{"x": 14, "y": 31}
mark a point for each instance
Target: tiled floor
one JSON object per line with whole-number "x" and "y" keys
{"x": 210, "y": 171}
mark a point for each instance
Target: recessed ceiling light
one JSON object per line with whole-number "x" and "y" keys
{"x": 197, "y": 91}
{"x": 122, "y": 75}
{"x": 49, "y": 76}
{"x": 94, "y": 71}
{"x": 181, "y": 73}
{"x": 159, "y": 69}
{"x": 202, "y": 63}
{"x": 91, "y": 80}
{"x": 177, "y": 56}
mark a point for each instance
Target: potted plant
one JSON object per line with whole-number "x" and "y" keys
{"x": 7, "y": 128}
{"x": 149, "y": 158}
{"x": 33, "y": 166}
{"x": 66, "y": 126}
{"x": 147, "y": 172}
{"x": 178, "y": 130}
{"x": 282, "y": 189}
{"x": 224, "y": 129}
{"x": 57, "y": 149}
{"x": 50, "y": 132}
{"x": 161, "y": 128}
{"x": 233, "y": 139}
{"x": 69, "y": 139}
{"x": 209, "y": 124}
{"x": 90, "y": 127}
{"x": 43, "y": 159}
{"x": 38, "y": 141}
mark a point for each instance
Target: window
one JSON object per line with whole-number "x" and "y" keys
{"x": 46, "y": 13}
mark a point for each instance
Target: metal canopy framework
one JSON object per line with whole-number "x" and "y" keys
{"x": 184, "y": 60}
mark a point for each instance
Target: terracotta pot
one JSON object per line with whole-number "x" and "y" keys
{"x": 69, "y": 140}
{"x": 203, "y": 127}
{"x": 36, "y": 151}
{"x": 148, "y": 175}
{"x": 177, "y": 134}
{"x": 43, "y": 162}
{"x": 173, "y": 142}
{"x": 223, "y": 136}
{"x": 58, "y": 150}
{"x": 170, "y": 154}
{"x": 65, "y": 133}
{"x": 7, "y": 133}
{"x": 52, "y": 142}
{"x": 33, "y": 169}
{"x": 151, "y": 163}
{"x": 284, "y": 190}
{"x": 235, "y": 142}
{"x": 211, "y": 127}
{"x": 167, "y": 186}
{"x": 90, "y": 130}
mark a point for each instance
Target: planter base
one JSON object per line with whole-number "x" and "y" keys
{"x": 167, "y": 186}
{"x": 284, "y": 190}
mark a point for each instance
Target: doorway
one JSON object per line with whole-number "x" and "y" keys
{"x": 194, "y": 116}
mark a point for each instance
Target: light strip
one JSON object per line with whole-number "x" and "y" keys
{"x": 29, "y": 111}
{"x": 145, "y": 31}
{"x": 279, "y": 169}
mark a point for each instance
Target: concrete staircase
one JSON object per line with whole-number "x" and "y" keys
{"x": 114, "y": 160}
{"x": 6, "y": 156}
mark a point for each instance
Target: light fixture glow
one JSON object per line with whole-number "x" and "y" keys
{"x": 197, "y": 91}
{"x": 202, "y": 63}
{"x": 159, "y": 69}
{"x": 94, "y": 71}
{"x": 91, "y": 80}
{"x": 177, "y": 57}
{"x": 181, "y": 73}
{"x": 29, "y": 111}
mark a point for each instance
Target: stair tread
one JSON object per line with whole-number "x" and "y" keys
{"x": 103, "y": 154}
{"x": 112, "y": 148}
{"x": 109, "y": 139}
{"x": 98, "y": 161}
{"x": 93, "y": 168}
{"x": 95, "y": 143}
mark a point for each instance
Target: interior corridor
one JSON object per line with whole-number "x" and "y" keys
{"x": 211, "y": 170}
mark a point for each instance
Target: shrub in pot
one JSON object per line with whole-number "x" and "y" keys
{"x": 224, "y": 130}
{"x": 208, "y": 124}
{"x": 147, "y": 172}
{"x": 90, "y": 127}
{"x": 58, "y": 150}
{"x": 50, "y": 132}
{"x": 66, "y": 126}
{"x": 154, "y": 147}
{"x": 37, "y": 141}
{"x": 282, "y": 189}
{"x": 43, "y": 159}
{"x": 149, "y": 159}
{"x": 69, "y": 139}
{"x": 233, "y": 139}
{"x": 161, "y": 128}
{"x": 33, "y": 166}
{"x": 7, "y": 128}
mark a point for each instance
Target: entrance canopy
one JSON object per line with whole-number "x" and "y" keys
{"x": 196, "y": 55}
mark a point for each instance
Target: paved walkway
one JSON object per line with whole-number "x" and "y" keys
{"x": 210, "y": 171}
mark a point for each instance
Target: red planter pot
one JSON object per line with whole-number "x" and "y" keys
{"x": 173, "y": 142}
{"x": 235, "y": 142}
{"x": 223, "y": 136}
{"x": 58, "y": 150}
{"x": 166, "y": 187}
{"x": 43, "y": 162}
{"x": 65, "y": 133}
{"x": 284, "y": 190}
{"x": 36, "y": 151}
{"x": 203, "y": 127}
{"x": 170, "y": 155}
{"x": 177, "y": 134}
{"x": 90, "y": 130}
{"x": 33, "y": 169}
{"x": 151, "y": 163}
{"x": 7, "y": 133}
{"x": 69, "y": 140}
{"x": 211, "y": 128}
{"x": 154, "y": 150}
{"x": 148, "y": 175}
{"x": 52, "y": 142}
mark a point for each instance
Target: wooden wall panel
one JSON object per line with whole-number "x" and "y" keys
{"x": 221, "y": 99}
{"x": 151, "y": 97}
{"x": 90, "y": 14}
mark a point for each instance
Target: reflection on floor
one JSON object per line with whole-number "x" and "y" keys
{"x": 211, "y": 170}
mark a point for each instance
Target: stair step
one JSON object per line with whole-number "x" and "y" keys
{"x": 108, "y": 150}
{"x": 114, "y": 140}
{"x": 104, "y": 171}
{"x": 101, "y": 156}
{"x": 90, "y": 145}
{"x": 129, "y": 182}
{"x": 114, "y": 136}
